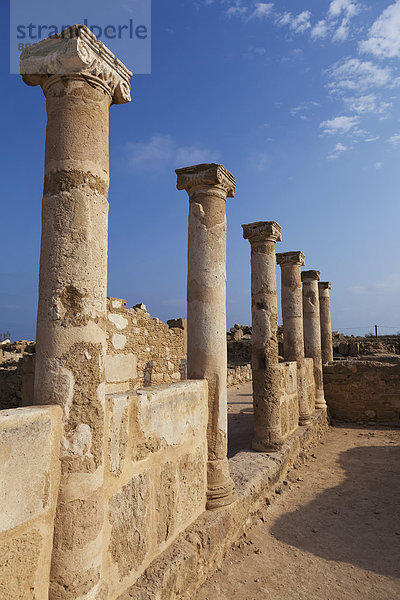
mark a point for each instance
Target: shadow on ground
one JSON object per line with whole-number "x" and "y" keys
{"x": 357, "y": 522}
{"x": 240, "y": 423}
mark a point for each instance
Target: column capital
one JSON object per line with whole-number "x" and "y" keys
{"x": 291, "y": 258}
{"x": 206, "y": 175}
{"x": 324, "y": 285}
{"x": 262, "y": 231}
{"x": 310, "y": 275}
{"x": 73, "y": 52}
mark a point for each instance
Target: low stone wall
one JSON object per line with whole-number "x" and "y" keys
{"x": 363, "y": 391}
{"x": 239, "y": 374}
{"x": 289, "y": 399}
{"x": 155, "y": 474}
{"x": 29, "y": 481}
{"x": 142, "y": 350}
{"x": 200, "y": 549}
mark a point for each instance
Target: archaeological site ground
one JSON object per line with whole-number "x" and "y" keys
{"x": 143, "y": 460}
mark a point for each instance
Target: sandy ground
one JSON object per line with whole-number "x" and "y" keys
{"x": 332, "y": 532}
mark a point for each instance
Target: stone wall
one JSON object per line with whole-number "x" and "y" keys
{"x": 289, "y": 401}
{"x": 155, "y": 480}
{"x": 142, "y": 350}
{"x": 29, "y": 476}
{"x": 239, "y": 374}
{"x": 363, "y": 391}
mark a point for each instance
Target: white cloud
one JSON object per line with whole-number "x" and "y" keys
{"x": 349, "y": 8}
{"x": 303, "y": 107}
{"x": 353, "y": 74}
{"x": 234, "y": 11}
{"x": 394, "y": 140}
{"x": 320, "y": 30}
{"x": 337, "y": 151}
{"x": 160, "y": 151}
{"x": 262, "y": 10}
{"x": 297, "y": 23}
{"x": 367, "y": 104}
{"x": 378, "y": 165}
{"x": 384, "y": 35}
{"x": 340, "y": 125}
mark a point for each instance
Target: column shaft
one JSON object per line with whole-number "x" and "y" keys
{"x": 264, "y": 310}
{"x": 325, "y": 319}
{"x": 292, "y": 315}
{"x": 71, "y": 322}
{"x": 206, "y": 316}
{"x": 312, "y": 331}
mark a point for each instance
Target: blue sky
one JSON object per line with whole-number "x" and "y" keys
{"x": 299, "y": 99}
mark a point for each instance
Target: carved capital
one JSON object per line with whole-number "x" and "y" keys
{"x": 291, "y": 258}
{"x": 206, "y": 175}
{"x": 324, "y": 285}
{"x": 310, "y": 275}
{"x": 262, "y": 231}
{"x": 76, "y": 51}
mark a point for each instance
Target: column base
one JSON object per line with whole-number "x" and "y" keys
{"x": 304, "y": 421}
{"x": 320, "y": 403}
{"x": 267, "y": 445}
{"x": 220, "y": 487}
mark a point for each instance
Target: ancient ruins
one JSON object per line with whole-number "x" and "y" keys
{"x": 116, "y": 478}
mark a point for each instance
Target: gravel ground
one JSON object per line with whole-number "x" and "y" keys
{"x": 332, "y": 531}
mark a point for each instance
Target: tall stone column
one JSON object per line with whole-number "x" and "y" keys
{"x": 292, "y": 315}
{"x": 80, "y": 78}
{"x": 208, "y": 186}
{"x": 264, "y": 339}
{"x": 325, "y": 320}
{"x": 312, "y": 331}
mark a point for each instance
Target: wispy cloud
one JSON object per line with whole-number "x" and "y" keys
{"x": 337, "y": 151}
{"x": 161, "y": 151}
{"x": 394, "y": 140}
{"x": 367, "y": 104}
{"x": 384, "y": 35}
{"x": 353, "y": 74}
{"x": 303, "y": 107}
{"x": 340, "y": 125}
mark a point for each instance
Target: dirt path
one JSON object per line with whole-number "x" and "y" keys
{"x": 332, "y": 531}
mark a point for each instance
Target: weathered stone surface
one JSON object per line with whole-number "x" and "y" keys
{"x": 200, "y": 550}
{"x": 141, "y": 350}
{"x": 208, "y": 186}
{"x": 325, "y": 318}
{"x": 130, "y": 520}
{"x": 29, "y": 483}
{"x": 169, "y": 415}
{"x": 312, "y": 330}
{"x": 80, "y": 78}
{"x": 264, "y": 357}
{"x": 363, "y": 391}
{"x": 292, "y": 314}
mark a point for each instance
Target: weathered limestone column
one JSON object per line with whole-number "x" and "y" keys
{"x": 80, "y": 78}
{"x": 208, "y": 186}
{"x": 264, "y": 338}
{"x": 325, "y": 320}
{"x": 312, "y": 331}
{"x": 292, "y": 315}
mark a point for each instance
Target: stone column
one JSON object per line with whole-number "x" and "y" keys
{"x": 208, "y": 186}
{"x": 292, "y": 315}
{"x": 312, "y": 331}
{"x": 264, "y": 339}
{"x": 80, "y": 78}
{"x": 325, "y": 320}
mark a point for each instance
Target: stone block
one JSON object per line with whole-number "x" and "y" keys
{"x": 130, "y": 520}
{"x": 120, "y": 367}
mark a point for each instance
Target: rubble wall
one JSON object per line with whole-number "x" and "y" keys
{"x": 363, "y": 391}
{"x": 29, "y": 476}
{"x": 155, "y": 474}
{"x": 142, "y": 351}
